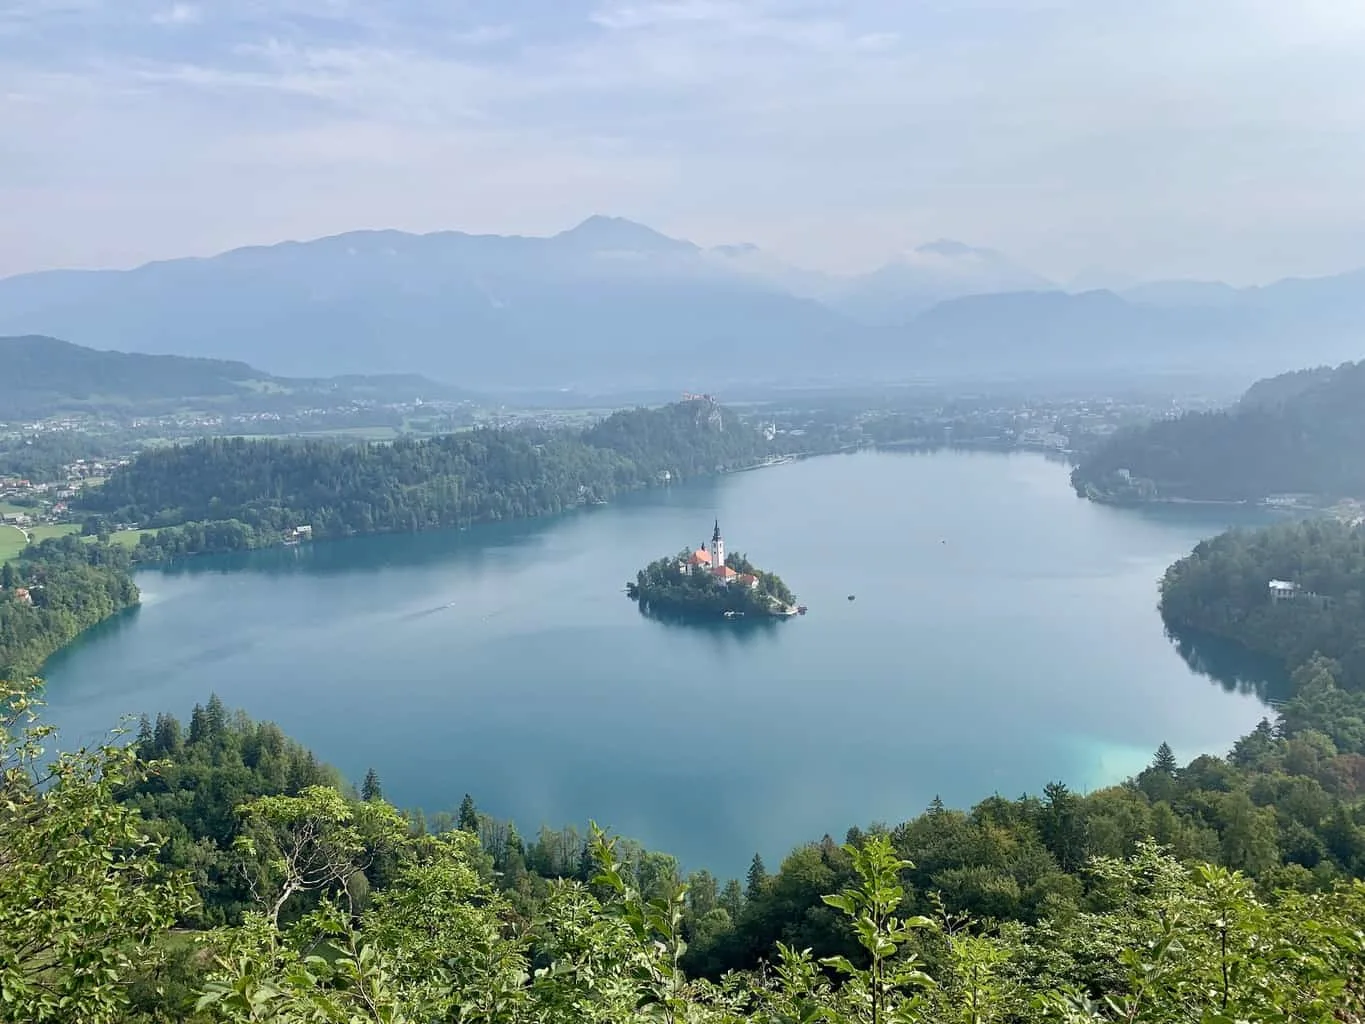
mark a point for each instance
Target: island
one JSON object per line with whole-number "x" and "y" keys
{"x": 707, "y": 583}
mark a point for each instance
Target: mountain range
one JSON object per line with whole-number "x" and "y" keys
{"x": 613, "y": 303}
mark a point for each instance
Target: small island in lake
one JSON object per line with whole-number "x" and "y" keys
{"x": 708, "y": 583}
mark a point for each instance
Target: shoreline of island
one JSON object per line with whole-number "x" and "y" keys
{"x": 706, "y": 583}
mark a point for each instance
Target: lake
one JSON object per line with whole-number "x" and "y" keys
{"x": 1004, "y": 634}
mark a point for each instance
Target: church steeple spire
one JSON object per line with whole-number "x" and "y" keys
{"x": 717, "y": 551}
{"x": 715, "y": 536}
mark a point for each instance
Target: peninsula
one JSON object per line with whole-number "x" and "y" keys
{"x": 708, "y": 583}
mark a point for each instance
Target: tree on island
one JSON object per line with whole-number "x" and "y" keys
{"x": 668, "y": 586}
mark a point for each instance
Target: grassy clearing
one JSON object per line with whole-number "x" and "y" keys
{"x": 11, "y": 542}
{"x": 6, "y": 509}
{"x": 128, "y": 538}
{"x": 42, "y": 533}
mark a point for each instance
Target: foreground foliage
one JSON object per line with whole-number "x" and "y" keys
{"x": 82, "y": 894}
{"x": 355, "y": 916}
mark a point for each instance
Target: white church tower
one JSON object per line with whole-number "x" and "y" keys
{"x": 717, "y": 550}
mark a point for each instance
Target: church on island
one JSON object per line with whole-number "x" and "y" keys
{"x": 712, "y": 562}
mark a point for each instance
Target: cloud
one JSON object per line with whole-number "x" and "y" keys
{"x": 178, "y": 14}
{"x": 1219, "y": 138}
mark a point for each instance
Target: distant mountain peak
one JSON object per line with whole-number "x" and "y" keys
{"x": 949, "y": 248}
{"x": 736, "y": 249}
{"x": 602, "y": 232}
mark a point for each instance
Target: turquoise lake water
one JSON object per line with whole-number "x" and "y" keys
{"x": 1004, "y": 634}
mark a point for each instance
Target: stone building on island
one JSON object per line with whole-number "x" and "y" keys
{"x": 711, "y": 561}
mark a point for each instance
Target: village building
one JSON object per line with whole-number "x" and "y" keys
{"x": 1283, "y": 590}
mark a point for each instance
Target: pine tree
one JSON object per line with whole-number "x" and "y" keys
{"x": 166, "y": 739}
{"x": 199, "y": 727}
{"x": 469, "y": 815}
{"x": 145, "y": 737}
{"x": 756, "y": 879}
{"x": 370, "y": 790}
{"x": 216, "y": 716}
{"x": 1165, "y": 760}
{"x": 9, "y": 576}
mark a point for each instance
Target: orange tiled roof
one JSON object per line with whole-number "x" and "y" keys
{"x": 748, "y": 577}
{"x": 700, "y": 557}
{"x": 725, "y": 572}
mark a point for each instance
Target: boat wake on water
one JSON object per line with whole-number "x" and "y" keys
{"x": 424, "y": 612}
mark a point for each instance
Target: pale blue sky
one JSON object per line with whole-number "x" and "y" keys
{"x": 1156, "y": 138}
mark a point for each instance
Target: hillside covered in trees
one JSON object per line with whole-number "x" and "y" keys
{"x": 43, "y": 376}
{"x": 54, "y": 591}
{"x": 1300, "y": 433}
{"x": 1222, "y": 587}
{"x": 256, "y": 490}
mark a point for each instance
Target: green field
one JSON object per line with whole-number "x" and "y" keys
{"x": 11, "y": 542}
{"x": 128, "y": 538}
{"x": 42, "y": 533}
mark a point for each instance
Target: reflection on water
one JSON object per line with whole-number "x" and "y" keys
{"x": 1231, "y": 665}
{"x": 743, "y": 630}
{"x": 101, "y": 631}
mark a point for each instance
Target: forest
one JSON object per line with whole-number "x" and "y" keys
{"x": 229, "y": 493}
{"x": 218, "y": 873}
{"x": 1222, "y": 588}
{"x": 1301, "y": 433}
{"x": 54, "y": 591}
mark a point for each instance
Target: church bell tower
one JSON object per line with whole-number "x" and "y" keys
{"x": 717, "y": 550}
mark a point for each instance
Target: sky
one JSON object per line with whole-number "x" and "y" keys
{"x": 1106, "y": 138}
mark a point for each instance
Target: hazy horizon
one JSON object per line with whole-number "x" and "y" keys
{"x": 1218, "y": 141}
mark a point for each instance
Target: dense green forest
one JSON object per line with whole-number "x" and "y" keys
{"x": 1301, "y": 433}
{"x": 1222, "y": 588}
{"x": 255, "y": 491}
{"x": 54, "y": 591}
{"x": 328, "y": 905}
{"x": 664, "y": 588}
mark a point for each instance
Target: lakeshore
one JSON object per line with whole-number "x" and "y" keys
{"x": 513, "y": 668}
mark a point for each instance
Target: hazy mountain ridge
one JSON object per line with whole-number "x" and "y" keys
{"x": 615, "y": 304}
{"x": 45, "y": 375}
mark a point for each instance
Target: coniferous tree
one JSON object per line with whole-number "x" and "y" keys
{"x": 370, "y": 789}
{"x": 756, "y": 879}
{"x": 199, "y": 728}
{"x": 166, "y": 736}
{"x": 468, "y": 820}
{"x": 1165, "y": 760}
{"x": 216, "y": 716}
{"x": 145, "y": 737}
